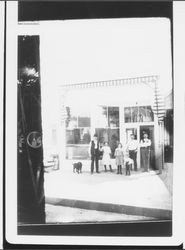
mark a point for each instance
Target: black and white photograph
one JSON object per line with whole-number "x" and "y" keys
{"x": 94, "y": 112}
{"x": 95, "y": 120}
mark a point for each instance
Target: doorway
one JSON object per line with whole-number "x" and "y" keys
{"x": 149, "y": 129}
{"x": 138, "y": 131}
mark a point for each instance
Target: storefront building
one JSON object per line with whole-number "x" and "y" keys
{"x": 113, "y": 110}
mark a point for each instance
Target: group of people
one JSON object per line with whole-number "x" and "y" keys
{"x": 123, "y": 157}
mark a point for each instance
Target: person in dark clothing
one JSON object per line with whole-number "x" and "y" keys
{"x": 94, "y": 151}
{"x": 145, "y": 152}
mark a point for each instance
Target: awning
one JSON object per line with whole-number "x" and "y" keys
{"x": 70, "y": 92}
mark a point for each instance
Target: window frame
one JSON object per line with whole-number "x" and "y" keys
{"x": 139, "y": 107}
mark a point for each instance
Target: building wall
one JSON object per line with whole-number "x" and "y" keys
{"x": 120, "y": 97}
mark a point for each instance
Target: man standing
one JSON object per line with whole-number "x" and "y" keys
{"x": 94, "y": 151}
{"x": 145, "y": 152}
{"x": 132, "y": 147}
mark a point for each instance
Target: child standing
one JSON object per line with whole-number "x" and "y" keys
{"x": 106, "y": 156}
{"x": 128, "y": 163}
{"x": 119, "y": 158}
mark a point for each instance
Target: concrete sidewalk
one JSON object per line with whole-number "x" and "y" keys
{"x": 141, "y": 194}
{"x": 63, "y": 214}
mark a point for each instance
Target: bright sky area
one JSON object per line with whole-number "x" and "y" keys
{"x": 79, "y": 51}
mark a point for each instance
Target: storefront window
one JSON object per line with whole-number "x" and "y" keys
{"x": 77, "y": 117}
{"x": 101, "y": 117}
{"x": 127, "y": 113}
{"x": 84, "y": 122}
{"x": 102, "y": 134}
{"x": 149, "y": 114}
{"x": 71, "y": 120}
{"x": 129, "y": 132}
{"x": 78, "y": 136}
{"x": 114, "y": 138}
{"x": 135, "y": 114}
{"x": 78, "y": 127}
{"x": 138, "y": 114}
{"x": 108, "y": 135}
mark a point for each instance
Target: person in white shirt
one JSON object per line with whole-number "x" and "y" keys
{"x": 145, "y": 152}
{"x": 132, "y": 147}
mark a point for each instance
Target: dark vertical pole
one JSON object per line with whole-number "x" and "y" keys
{"x": 31, "y": 201}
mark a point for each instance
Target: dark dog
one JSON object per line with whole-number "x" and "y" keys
{"x": 77, "y": 167}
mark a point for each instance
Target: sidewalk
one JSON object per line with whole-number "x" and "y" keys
{"x": 141, "y": 194}
{"x": 63, "y": 214}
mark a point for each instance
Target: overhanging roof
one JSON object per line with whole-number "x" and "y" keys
{"x": 111, "y": 83}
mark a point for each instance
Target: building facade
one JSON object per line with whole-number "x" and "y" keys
{"x": 113, "y": 110}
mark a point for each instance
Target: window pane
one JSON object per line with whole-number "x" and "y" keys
{"x": 113, "y": 117}
{"x": 83, "y": 116}
{"x": 149, "y": 114}
{"x": 71, "y": 136}
{"x": 142, "y": 113}
{"x": 135, "y": 114}
{"x": 127, "y": 112}
{"x": 113, "y": 139}
{"x": 139, "y": 114}
{"x": 71, "y": 119}
{"x": 77, "y": 152}
{"x": 85, "y": 136}
{"x": 84, "y": 122}
{"x": 102, "y": 134}
{"x": 100, "y": 117}
{"x": 146, "y": 114}
{"x": 78, "y": 136}
{"x": 108, "y": 135}
{"x": 130, "y": 131}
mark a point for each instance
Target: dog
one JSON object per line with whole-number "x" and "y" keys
{"x": 128, "y": 164}
{"x": 77, "y": 167}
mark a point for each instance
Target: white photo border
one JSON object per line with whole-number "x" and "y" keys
{"x": 11, "y": 144}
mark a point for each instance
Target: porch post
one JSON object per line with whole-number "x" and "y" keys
{"x": 61, "y": 127}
